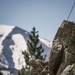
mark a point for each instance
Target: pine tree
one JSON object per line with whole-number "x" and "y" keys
{"x": 34, "y": 50}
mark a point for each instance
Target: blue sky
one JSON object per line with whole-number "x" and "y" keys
{"x": 45, "y": 15}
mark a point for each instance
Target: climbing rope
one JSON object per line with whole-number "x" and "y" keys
{"x": 71, "y": 11}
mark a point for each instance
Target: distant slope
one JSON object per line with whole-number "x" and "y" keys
{"x": 12, "y": 43}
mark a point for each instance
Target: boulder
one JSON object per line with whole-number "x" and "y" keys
{"x": 63, "y": 48}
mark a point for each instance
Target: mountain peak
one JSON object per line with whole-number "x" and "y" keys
{"x": 12, "y": 42}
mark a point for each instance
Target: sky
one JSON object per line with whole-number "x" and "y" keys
{"x": 45, "y": 15}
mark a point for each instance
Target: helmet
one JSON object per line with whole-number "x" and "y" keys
{"x": 32, "y": 61}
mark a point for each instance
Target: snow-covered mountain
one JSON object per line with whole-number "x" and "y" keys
{"x": 12, "y": 43}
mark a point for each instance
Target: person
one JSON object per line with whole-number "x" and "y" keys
{"x": 34, "y": 70}
{"x": 38, "y": 67}
{"x": 43, "y": 67}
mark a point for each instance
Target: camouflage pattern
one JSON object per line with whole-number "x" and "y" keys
{"x": 34, "y": 72}
{"x": 38, "y": 67}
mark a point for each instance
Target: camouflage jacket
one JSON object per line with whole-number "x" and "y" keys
{"x": 34, "y": 72}
{"x": 37, "y": 71}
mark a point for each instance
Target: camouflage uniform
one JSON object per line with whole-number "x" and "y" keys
{"x": 37, "y": 67}
{"x": 34, "y": 72}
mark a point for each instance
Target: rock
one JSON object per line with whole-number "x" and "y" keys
{"x": 69, "y": 70}
{"x": 63, "y": 48}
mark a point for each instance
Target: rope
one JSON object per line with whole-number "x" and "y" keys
{"x": 71, "y": 11}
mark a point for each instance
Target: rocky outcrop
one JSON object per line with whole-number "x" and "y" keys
{"x": 63, "y": 48}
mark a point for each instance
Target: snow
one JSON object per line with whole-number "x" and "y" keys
{"x": 48, "y": 43}
{"x": 13, "y": 42}
{"x": 4, "y": 72}
{"x": 17, "y": 51}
